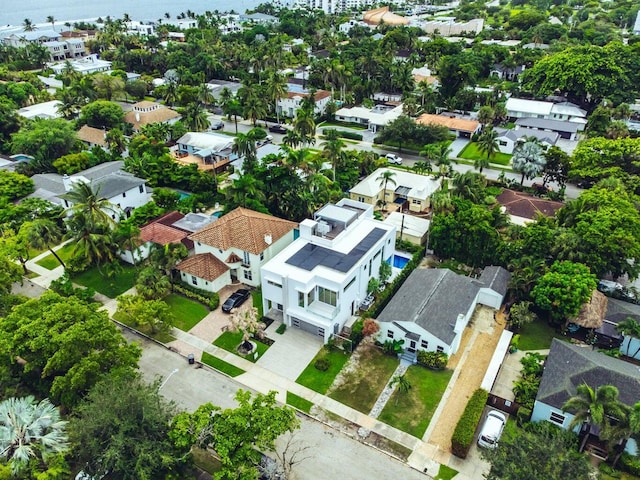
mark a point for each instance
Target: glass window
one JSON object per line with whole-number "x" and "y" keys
{"x": 301, "y": 299}
{"x": 261, "y": 256}
{"x": 247, "y": 275}
{"x": 194, "y": 280}
{"x": 327, "y": 296}
{"x": 351, "y": 282}
{"x": 124, "y": 194}
{"x": 311, "y": 297}
{"x": 424, "y": 344}
{"x": 246, "y": 258}
{"x": 439, "y": 348}
{"x": 141, "y": 188}
{"x": 556, "y": 418}
{"x": 390, "y": 333}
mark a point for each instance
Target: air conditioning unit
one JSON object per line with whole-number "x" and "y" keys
{"x": 323, "y": 228}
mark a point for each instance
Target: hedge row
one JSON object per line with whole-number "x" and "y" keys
{"x": 464, "y": 433}
{"x": 209, "y": 299}
{"x": 345, "y": 134}
{"x": 434, "y": 360}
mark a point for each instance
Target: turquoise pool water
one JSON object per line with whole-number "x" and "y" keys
{"x": 399, "y": 261}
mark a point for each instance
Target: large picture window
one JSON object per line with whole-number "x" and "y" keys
{"x": 327, "y": 296}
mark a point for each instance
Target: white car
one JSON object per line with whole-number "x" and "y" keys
{"x": 492, "y": 429}
{"x": 393, "y": 158}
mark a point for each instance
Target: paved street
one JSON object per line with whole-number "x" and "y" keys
{"x": 331, "y": 454}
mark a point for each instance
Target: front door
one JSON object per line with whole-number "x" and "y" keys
{"x": 412, "y": 346}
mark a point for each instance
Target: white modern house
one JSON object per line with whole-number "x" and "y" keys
{"x": 59, "y": 48}
{"x": 86, "y": 66}
{"x": 235, "y": 247}
{"x": 319, "y": 281}
{"x": 45, "y": 110}
{"x": 569, "y": 366}
{"x": 373, "y": 118}
{"x": 289, "y": 105}
{"x": 434, "y": 305}
{"x": 410, "y": 190}
{"x": 563, "y": 111}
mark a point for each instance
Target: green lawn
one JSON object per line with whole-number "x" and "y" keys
{"x": 256, "y": 296}
{"x": 320, "y": 381}
{"x": 339, "y": 125}
{"x": 221, "y": 365}
{"x": 162, "y": 337}
{"x": 363, "y": 385}
{"x": 471, "y": 152}
{"x": 445, "y": 473}
{"x": 229, "y": 341}
{"x": 537, "y": 336}
{"x": 187, "y": 312}
{"x": 110, "y": 287}
{"x": 299, "y": 402}
{"x": 50, "y": 262}
{"x": 411, "y": 412}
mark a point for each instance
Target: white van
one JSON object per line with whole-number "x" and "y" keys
{"x": 492, "y": 429}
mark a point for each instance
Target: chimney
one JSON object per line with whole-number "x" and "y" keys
{"x": 138, "y": 117}
{"x": 268, "y": 239}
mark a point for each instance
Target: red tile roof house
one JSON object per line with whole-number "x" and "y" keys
{"x": 172, "y": 227}
{"x": 234, "y": 248}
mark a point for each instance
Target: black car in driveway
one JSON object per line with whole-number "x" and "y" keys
{"x": 235, "y": 300}
{"x": 277, "y": 129}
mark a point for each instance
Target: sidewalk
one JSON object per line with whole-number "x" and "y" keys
{"x": 45, "y": 276}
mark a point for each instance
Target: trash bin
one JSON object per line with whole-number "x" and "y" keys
{"x": 191, "y": 358}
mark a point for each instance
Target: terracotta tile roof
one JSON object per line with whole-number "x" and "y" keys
{"x": 319, "y": 95}
{"x": 145, "y": 104}
{"x": 233, "y": 258}
{"x": 161, "y": 234}
{"x": 94, "y": 136}
{"x": 203, "y": 265}
{"x": 459, "y": 124}
{"x": 158, "y": 115}
{"x": 243, "y": 229}
{"x": 526, "y": 205}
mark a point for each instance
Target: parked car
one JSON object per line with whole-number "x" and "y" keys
{"x": 607, "y": 286}
{"x": 277, "y": 129}
{"x": 217, "y": 125}
{"x": 492, "y": 429}
{"x": 393, "y": 158}
{"x": 235, "y": 300}
{"x": 367, "y": 302}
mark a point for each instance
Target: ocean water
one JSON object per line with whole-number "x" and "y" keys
{"x": 149, "y": 10}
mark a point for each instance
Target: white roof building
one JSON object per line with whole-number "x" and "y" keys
{"x": 563, "y": 111}
{"x": 44, "y": 110}
{"x": 408, "y": 227}
{"x": 87, "y": 65}
{"x": 374, "y": 118}
{"x": 319, "y": 281}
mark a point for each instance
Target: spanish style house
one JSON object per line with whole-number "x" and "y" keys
{"x": 145, "y": 112}
{"x": 319, "y": 281}
{"x": 434, "y": 305}
{"x": 235, "y": 246}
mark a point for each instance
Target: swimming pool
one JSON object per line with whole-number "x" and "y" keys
{"x": 399, "y": 261}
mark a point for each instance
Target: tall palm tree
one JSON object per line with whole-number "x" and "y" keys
{"x": 276, "y": 88}
{"x": 43, "y": 233}
{"x": 205, "y": 96}
{"x": 630, "y": 328}
{"x": 52, "y": 21}
{"x": 593, "y": 407}
{"x": 93, "y": 244}
{"x": 244, "y": 188}
{"x": 469, "y": 185}
{"x": 194, "y": 117}
{"x": 86, "y": 201}
{"x": 487, "y": 144}
{"x": 333, "y": 150}
{"x": 305, "y": 125}
{"x": 384, "y": 178}
{"x": 292, "y": 139}
{"x": 233, "y": 107}
{"x": 30, "y": 429}
{"x": 27, "y": 25}
{"x": 441, "y": 201}
{"x": 244, "y": 145}
{"x": 528, "y": 159}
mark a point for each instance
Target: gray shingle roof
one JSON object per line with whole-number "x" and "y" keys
{"x": 568, "y": 366}
{"x": 49, "y": 182}
{"x": 102, "y": 170}
{"x": 617, "y": 310}
{"x": 555, "y": 125}
{"x": 116, "y": 184}
{"x": 496, "y": 278}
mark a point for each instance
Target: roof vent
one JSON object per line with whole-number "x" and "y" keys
{"x": 268, "y": 239}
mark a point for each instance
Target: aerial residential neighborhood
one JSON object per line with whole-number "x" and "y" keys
{"x": 314, "y": 239}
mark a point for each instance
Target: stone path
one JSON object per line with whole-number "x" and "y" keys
{"x": 387, "y": 391}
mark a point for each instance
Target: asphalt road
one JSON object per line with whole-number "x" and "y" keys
{"x": 329, "y": 453}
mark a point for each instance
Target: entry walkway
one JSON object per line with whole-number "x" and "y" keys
{"x": 45, "y": 276}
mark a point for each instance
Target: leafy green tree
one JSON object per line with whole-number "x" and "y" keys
{"x": 236, "y": 435}
{"x": 121, "y": 430}
{"x": 107, "y": 86}
{"x": 46, "y": 140}
{"x": 400, "y": 131}
{"x": 65, "y": 344}
{"x": 246, "y": 191}
{"x": 72, "y": 163}
{"x": 541, "y": 450}
{"x": 520, "y": 314}
{"x": 152, "y": 284}
{"x": 156, "y": 314}
{"x": 564, "y": 289}
{"x": 557, "y": 167}
{"x": 14, "y": 185}
{"x": 30, "y": 430}
{"x": 102, "y": 114}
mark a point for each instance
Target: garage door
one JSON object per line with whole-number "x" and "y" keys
{"x": 307, "y": 327}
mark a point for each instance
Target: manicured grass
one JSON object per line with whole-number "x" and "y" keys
{"x": 50, "y": 262}
{"x": 162, "y": 337}
{"x": 471, "y": 152}
{"x": 363, "y": 385}
{"x": 32, "y": 275}
{"x": 537, "y": 336}
{"x": 411, "y": 412}
{"x": 339, "y": 125}
{"x": 256, "y": 296}
{"x": 110, "y": 287}
{"x": 229, "y": 341}
{"x": 299, "y": 402}
{"x": 320, "y": 381}
{"x": 221, "y": 365}
{"x": 187, "y": 312}
{"x": 445, "y": 473}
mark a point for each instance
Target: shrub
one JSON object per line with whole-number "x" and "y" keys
{"x": 465, "y": 430}
{"x": 523, "y": 415}
{"x": 345, "y": 134}
{"x": 63, "y": 286}
{"x": 384, "y": 297}
{"x": 609, "y": 470}
{"x": 281, "y": 329}
{"x": 630, "y": 464}
{"x": 209, "y": 299}
{"x": 356, "y": 335}
{"x": 322, "y": 364}
{"x": 392, "y": 347}
{"x": 489, "y": 200}
{"x": 434, "y": 360}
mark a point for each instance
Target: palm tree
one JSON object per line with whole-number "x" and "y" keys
{"x": 43, "y": 233}
{"x": 402, "y": 383}
{"x": 244, "y": 145}
{"x": 593, "y": 407}
{"x": 441, "y": 201}
{"x": 292, "y": 139}
{"x": 528, "y": 159}
{"x": 30, "y": 430}
{"x": 194, "y": 117}
{"x": 630, "y": 328}
{"x": 116, "y": 141}
{"x": 384, "y": 178}
{"x": 87, "y": 202}
{"x": 244, "y": 188}
{"x": 93, "y": 243}
{"x": 205, "y": 96}
{"x": 487, "y": 144}
{"x": 52, "y": 21}
{"x": 305, "y": 125}
{"x": 232, "y": 107}
{"x": 333, "y": 149}
{"x": 276, "y": 88}
{"x": 469, "y": 185}
{"x": 27, "y": 25}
